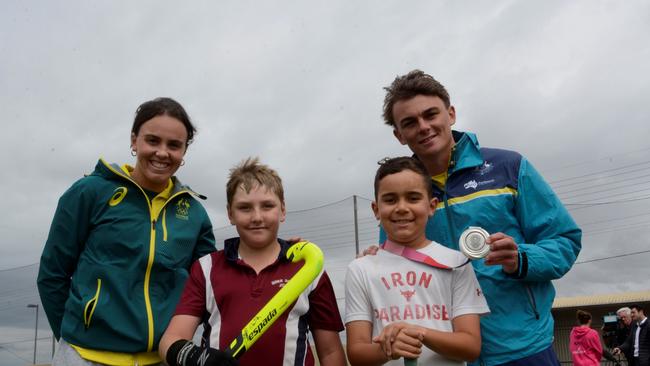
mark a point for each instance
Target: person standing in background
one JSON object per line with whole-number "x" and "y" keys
{"x": 638, "y": 341}
{"x": 584, "y": 342}
{"x": 623, "y": 328}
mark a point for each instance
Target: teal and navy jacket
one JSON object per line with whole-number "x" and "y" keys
{"x": 115, "y": 262}
{"x": 500, "y": 191}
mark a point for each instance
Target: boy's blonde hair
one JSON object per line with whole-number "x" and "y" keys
{"x": 250, "y": 173}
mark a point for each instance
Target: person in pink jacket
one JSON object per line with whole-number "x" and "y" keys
{"x": 584, "y": 343}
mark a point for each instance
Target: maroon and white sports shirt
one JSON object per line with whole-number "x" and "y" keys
{"x": 226, "y": 293}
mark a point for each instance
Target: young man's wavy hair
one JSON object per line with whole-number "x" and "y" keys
{"x": 249, "y": 174}
{"x": 408, "y": 86}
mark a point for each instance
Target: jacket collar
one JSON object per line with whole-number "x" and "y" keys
{"x": 112, "y": 170}
{"x": 466, "y": 152}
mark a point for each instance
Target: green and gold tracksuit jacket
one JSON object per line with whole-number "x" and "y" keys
{"x": 115, "y": 263}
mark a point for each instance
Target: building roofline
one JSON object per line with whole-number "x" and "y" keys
{"x": 625, "y": 298}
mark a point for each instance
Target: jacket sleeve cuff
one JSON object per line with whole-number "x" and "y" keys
{"x": 522, "y": 270}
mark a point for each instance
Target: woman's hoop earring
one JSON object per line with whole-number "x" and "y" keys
{"x": 133, "y": 153}
{"x": 182, "y": 162}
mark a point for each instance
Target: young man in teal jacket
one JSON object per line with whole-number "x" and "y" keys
{"x": 533, "y": 238}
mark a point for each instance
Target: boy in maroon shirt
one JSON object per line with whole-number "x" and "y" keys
{"x": 227, "y": 288}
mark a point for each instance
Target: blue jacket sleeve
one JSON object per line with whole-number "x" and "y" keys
{"x": 63, "y": 247}
{"x": 552, "y": 238}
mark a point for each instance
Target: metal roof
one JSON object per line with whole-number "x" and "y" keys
{"x": 604, "y": 299}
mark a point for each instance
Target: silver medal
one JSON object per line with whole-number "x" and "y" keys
{"x": 473, "y": 244}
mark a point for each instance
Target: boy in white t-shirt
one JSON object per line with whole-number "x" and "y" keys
{"x": 415, "y": 298}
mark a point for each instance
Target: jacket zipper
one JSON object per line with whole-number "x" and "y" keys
{"x": 152, "y": 252}
{"x": 452, "y": 229}
{"x": 531, "y": 299}
{"x": 147, "y": 279}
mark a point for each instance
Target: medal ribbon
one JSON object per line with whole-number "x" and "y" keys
{"x": 414, "y": 255}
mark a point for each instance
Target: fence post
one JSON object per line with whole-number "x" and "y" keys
{"x": 356, "y": 225}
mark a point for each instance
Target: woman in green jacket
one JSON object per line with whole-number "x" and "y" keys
{"x": 120, "y": 246}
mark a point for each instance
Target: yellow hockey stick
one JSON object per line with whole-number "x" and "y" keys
{"x": 262, "y": 321}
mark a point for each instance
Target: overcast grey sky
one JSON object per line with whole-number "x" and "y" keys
{"x": 566, "y": 83}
